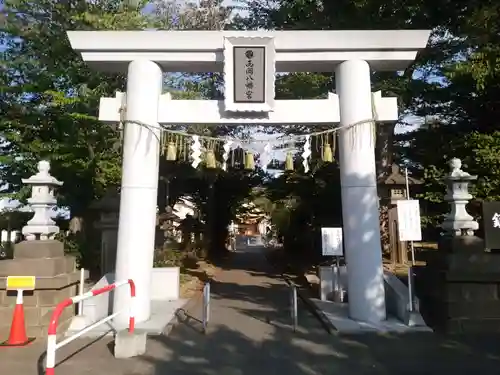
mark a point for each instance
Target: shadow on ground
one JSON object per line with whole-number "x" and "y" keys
{"x": 306, "y": 352}
{"x": 250, "y": 333}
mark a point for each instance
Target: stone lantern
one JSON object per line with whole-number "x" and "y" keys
{"x": 42, "y": 202}
{"x": 458, "y": 226}
{"x": 392, "y": 188}
{"x": 43, "y": 257}
{"x": 166, "y": 222}
{"x": 458, "y": 286}
{"x": 458, "y": 222}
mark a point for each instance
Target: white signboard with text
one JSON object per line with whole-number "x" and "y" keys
{"x": 409, "y": 220}
{"x": 332, "y": 241}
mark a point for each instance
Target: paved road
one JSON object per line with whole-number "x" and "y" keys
{"x": 250, "y": 334}
{"x": 250, "y": 330}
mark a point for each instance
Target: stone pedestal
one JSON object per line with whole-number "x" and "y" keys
{"x": 460, "y": 292}
{"x": 56, "y": 280}
{"x": 461, "y": 245}
{"x": 459, "y": 287}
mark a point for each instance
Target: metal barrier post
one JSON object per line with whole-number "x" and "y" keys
{"x": 294, "y": 307}
{"x": 206, "y": 306}
{"x": 53, "y": 345}
{"x": 411, "y": 304}
{"x": 81, "y": 288}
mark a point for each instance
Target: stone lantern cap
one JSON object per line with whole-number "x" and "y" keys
{"x": 456, "y": 172}
{"x": 397, "y": 178}
{"x": 43, "y": 176}
{"x": 392, "y": 186}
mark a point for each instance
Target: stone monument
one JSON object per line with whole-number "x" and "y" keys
{"x": 42, "y": 256}
{"x": 459, "y": 286}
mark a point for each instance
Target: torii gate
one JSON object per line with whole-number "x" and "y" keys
{"x": 350, "y": 54}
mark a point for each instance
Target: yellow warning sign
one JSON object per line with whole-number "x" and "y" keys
{"x": 21, "y": 282}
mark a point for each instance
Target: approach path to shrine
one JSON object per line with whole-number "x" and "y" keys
{"x": 250, "y": 333}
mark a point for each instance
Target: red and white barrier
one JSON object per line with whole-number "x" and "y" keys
{"x": 53, "y": 345}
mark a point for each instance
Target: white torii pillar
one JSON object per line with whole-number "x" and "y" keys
{"x": 360, "y": 214}
{"x": 139, "y": 189}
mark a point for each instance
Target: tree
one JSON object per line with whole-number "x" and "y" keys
{"x": 453, "y": 84}
{"x": 461, "y": 113}
{"x": 49, "y": 101}
{"x": 349, "y": 15}
{"x": 49, "y": 98}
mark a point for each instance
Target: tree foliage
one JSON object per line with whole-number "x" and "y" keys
{"x": 50, "y": 98}
{"x": 452, "y": 87}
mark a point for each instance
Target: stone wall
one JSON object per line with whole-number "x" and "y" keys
{"x": 56, "y": 280}
{"x": 38, "y": 306}
{"x": 473, "y": 306}
{"x": 460, "y": 294}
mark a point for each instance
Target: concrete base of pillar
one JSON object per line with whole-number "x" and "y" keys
{"x": 328, "y": 281}
{"x": 336, "y": 316}
{"x": 400, "y": 319}
{"x": 128, "y": 345}
{"x": 56, "y": 280}
{"x": 77, "y": 323}
{"x": 415, "y": 319}
{"x": 99, "y": 307}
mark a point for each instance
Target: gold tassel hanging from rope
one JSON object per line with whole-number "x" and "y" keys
{"x": 374, "y": 129}
{"x": 327, "y": 153}
{"x": 289, "y": 161}
{"x": 374, "y": 122}
{"x": 210, "y": 159}
{"x": 163, "y": 142}
{"x": 171, "y": 151}
{"x": 249, "y": 161}
{"x": 334, "y": 145}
